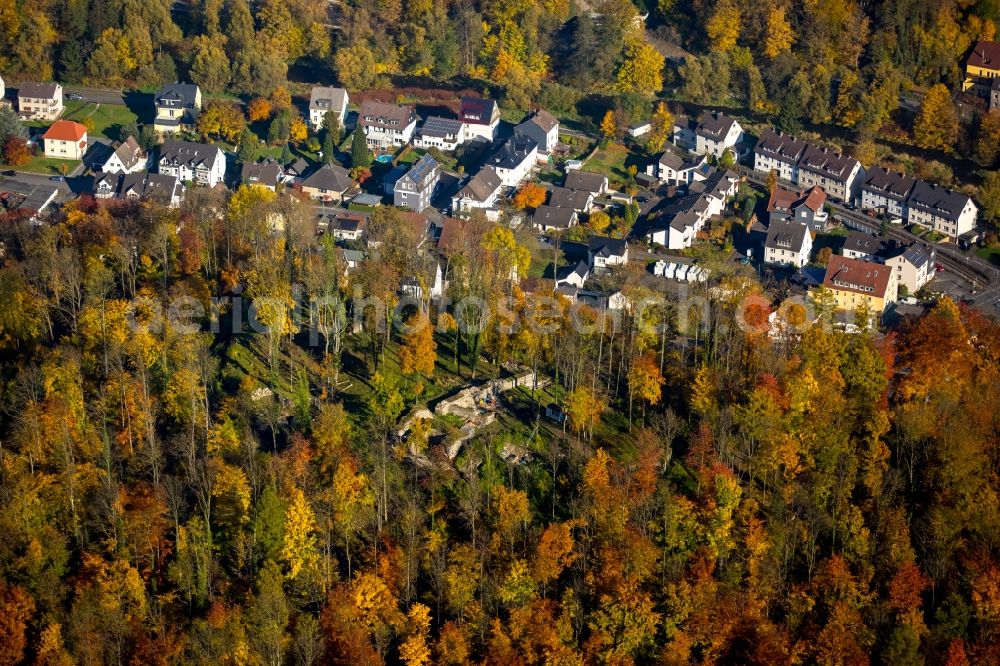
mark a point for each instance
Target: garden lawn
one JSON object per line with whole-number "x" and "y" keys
{"x": 48, "y": 166}
{"x": 613, "y": 160}
{"x": 108, "y": 119}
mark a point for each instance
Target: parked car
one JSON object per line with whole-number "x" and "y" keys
{"x": 938, "y": 267}
{"x": 10, "y": 172}
{"x": 57, "y": 179}
{"x": 73, "y": 96}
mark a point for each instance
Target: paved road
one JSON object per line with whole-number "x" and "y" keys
{"x": 34, "y": 179}
{"x": 97, "y": 95}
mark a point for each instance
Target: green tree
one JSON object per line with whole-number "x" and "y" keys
{"x": 355, "y": 67}
{"x": 361, "y": 156}
{"x": 249, "y": 147}
{"x": 209, "y": 64}
{"x": 989, "y": 196}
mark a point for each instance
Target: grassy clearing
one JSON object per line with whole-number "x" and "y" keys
{"x": 990, "y": 254}
{"x": 108, "y": 119}
{"x": 613, "y": 161}
{"x": 49, "y": 166}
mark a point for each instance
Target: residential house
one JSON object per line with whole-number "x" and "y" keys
{"x": 575, "y": 276}
{"x": 329, "y": 183}
{"x": 189, "y": 161}
{"x": 809, "y": 209}
{"x": 787, "y": 244}
{"x": 914, "y": 266}
{"x": 587, "y": 181}
{"x": 351, "y": 259}
{"x": 392, "y": 176}
{"x": 675, "y": 168}
{"x": 387, "y": 125}
{"x": 416, "y": 187}
{"x": 551, "y": 218}
{"x": 347, "y": 225}
{"x": 578, "y": 200}
{"x": 779, "y": 205}
{"x": 840, "y": 176}
{"x": 266, "y": 173}
{"x": 995, "y": 94}
{"x": 777, "y": 151}
{"x": 479, "y": 192}
{"x": 454, "y": 236}
{"x": 641, "y": 128}
{"x": 886, "y": 191}
{"x": 40, "y": 101}
{"x": 603, "y": 252}
{"x": 856, "y": 283}
{"x": 297, "y": 170}
{"x": 677, "y": 223}
{"x": 982, "y": 68}
{"x": 863, "y": 246}
{"x": 711, "y": 134}
{"x": 420, "y": 226}
{"x": 177, "y": 107}
{"x": 127, "y": 157}
{"x": 514, "y": 160}
{"x": 140, "y": 185}
{"x": 65, "y": 140}
{"x": 481, "y": 118}
{"x": 945, "y": 211}
{"x": 324, "y": 100}
{"x": 414, "y": 287}
{"x": 542, "y": 128}
{"x": 445, "y": 134}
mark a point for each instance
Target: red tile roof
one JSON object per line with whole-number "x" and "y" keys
{"x": 863, "y": 277}
{"x": 66, "y": 130}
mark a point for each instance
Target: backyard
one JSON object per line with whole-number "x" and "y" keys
{"x": 108, "y": 119}
{"x": 613, "y": 161}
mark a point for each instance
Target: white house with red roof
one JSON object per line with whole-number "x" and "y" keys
{"x": 66, "y": 140}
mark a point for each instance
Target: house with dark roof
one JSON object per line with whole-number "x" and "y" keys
{"x": 586, "y": 181}
{"x": 945, "y": 211}
{"x": 855, "y": 283}
{"x": 552, "y": 218}
{"x": 859, "y": 245}
{"x": 386, "y": 125}
{"x": 190, "y": 161}
{"x": 514, "y": 160}
{"x": 982, "y": 68}
{"x": 346, "y": 225}
{"x": 677, "y": 167}
{"x": 445, "y": 134}
{"x": 578, "y": 200}
{"x": 710, "y": 134}
{"x": 787, "y": 244}
{"x": 840, "y": 176}
{"x": 604, "y": 252}
{"x": 805, "y": 208}
{"x": 177, "y": 107}
{"x": 158, "y": 187}
{"x": 676, "y": 223}
{"x": 914, "y": 266}
{"x": 542, "y": 128}
{"x": 329, "y": 183}
{"x": 40, "y": 101}
{"x": 574, "y": 276}
{"x": 297, "y": 170}
{"x": 777, "y": 151}
{"x": 886, "y": 191}
{"x": 481, "y": 117}
{"x": 415, "y": 188}
{"x": 127, "y": 157}
{"x": 266, "y": 173}
{"x": 479, "y": 192}
{"x": 324, "y": 100}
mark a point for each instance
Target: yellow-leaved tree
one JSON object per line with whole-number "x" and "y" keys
{"x": 641, "y": 70}
{"x": 780, "y": 35}
{"x": 723, "y": 27}
{"x": 661, "y": 127}
{"x": 417, "y": 354}
{"x": 299, "y": 548}
{"x": 936, "y": 124}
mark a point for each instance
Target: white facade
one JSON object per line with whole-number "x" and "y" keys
{"x": 766, "y": 164}
{"x": 207, "y": 172}
{"x": 322, "y": 100}
{"x": 790, "y": 256}
{"x": 872, "y": 200}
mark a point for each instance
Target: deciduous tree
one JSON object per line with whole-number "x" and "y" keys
{"x": 936, "y": 124}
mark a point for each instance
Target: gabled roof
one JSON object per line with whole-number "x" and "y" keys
{"x": 330, "y": 178}
{"x": 481, "y": 186}
{"x": 813, "y": 199}
{"x": 65, "y": 130}
{"x": 190, "y": 153}
{"x": 348, "y": 221}
{"x": 783, "y": 235}
{"x": 713, "y": 125}
{"x": 129, "y": 152}
{"x": 418, "y": 222}
{"x": 423, "y": 171}
{"x": 603, "y": 246}
{"x": 324, "y": 98}
{"x": 937, "y": 201}
{"x": 441, "y": 127}
{"x": 985, "y": 54}
{"x": 476, "y": 110}
{"x": 453, "y": 232}
{"x": 512, "y": 153}
{"x": 677, "y": 160}
{"x": 781, "y": 146}
{"x": 586, "y": 180}
{"x": 889, "y": 183}
{"x": 827, "y": 162}
{"x": 267, "y": 172}
{"x": 862, "y": 277}
{"x": 545, "y": 120}
{"x": 297, "y": 168}
{"x": 176, "y": 94}
{"x": 919, "y": 254}
{"x": 38, "y": 90}
{"x": 781, "y": 200}
{"x": 554, "y": 216}
{"x": 385, "y": 116}
{"x": 862, "y": 243}
{"x": 566, "y": 198}
{"x": 141, "y": 184}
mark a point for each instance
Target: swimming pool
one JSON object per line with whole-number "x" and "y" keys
{"x": 384, "y": 159}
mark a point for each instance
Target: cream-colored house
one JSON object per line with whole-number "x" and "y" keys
{"x": 40, "y": 101}
{"x": 66, "y": 140}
